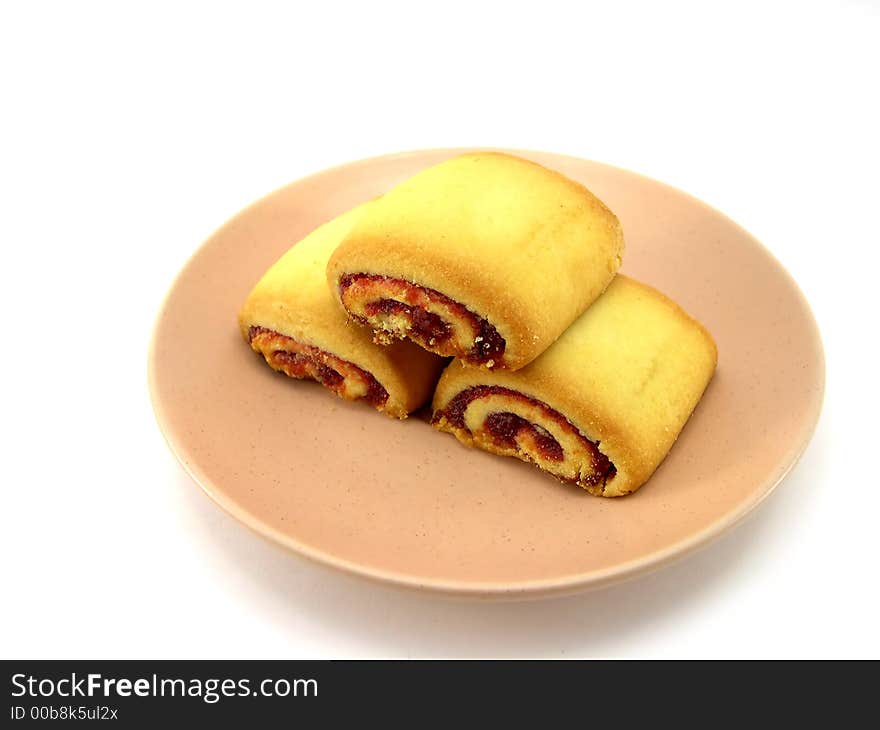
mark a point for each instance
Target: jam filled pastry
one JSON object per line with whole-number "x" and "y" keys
{"x": 601, "y": 407}
{"x": 485, "y": 257}
{"x": 294, "y": 322}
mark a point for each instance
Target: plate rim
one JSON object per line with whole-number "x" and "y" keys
{"x": 504, "y": 590}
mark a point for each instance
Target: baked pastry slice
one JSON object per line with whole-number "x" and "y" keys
{"x": 600, "y": 408}
{"x": 486, "y": 257}
{"x": 293, "y": 321}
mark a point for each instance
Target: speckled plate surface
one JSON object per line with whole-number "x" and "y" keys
{"x": 399, "y": 502}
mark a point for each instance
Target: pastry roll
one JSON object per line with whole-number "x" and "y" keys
{"x": 485, "y": 257}
{"x": 294, "y": 322}
{"x": 602, "y": 406}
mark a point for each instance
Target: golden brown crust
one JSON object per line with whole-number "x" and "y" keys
{"x": 521, "y": 246}
{"x": 627, "y": 374}
{"x": 292, "y": 299}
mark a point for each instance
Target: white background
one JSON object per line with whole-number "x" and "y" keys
{"x": 129, "y": 135}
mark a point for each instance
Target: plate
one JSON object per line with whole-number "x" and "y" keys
{"x": 402, "y": 503}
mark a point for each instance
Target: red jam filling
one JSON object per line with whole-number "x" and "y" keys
{"x": 306, "y": 361}
{"x": 297, "y": 365}
{"x": 504, "y": 428}
{"x": 428, "y": 327}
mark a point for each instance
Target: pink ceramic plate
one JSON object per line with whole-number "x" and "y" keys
{"x": 397, "y": 501}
